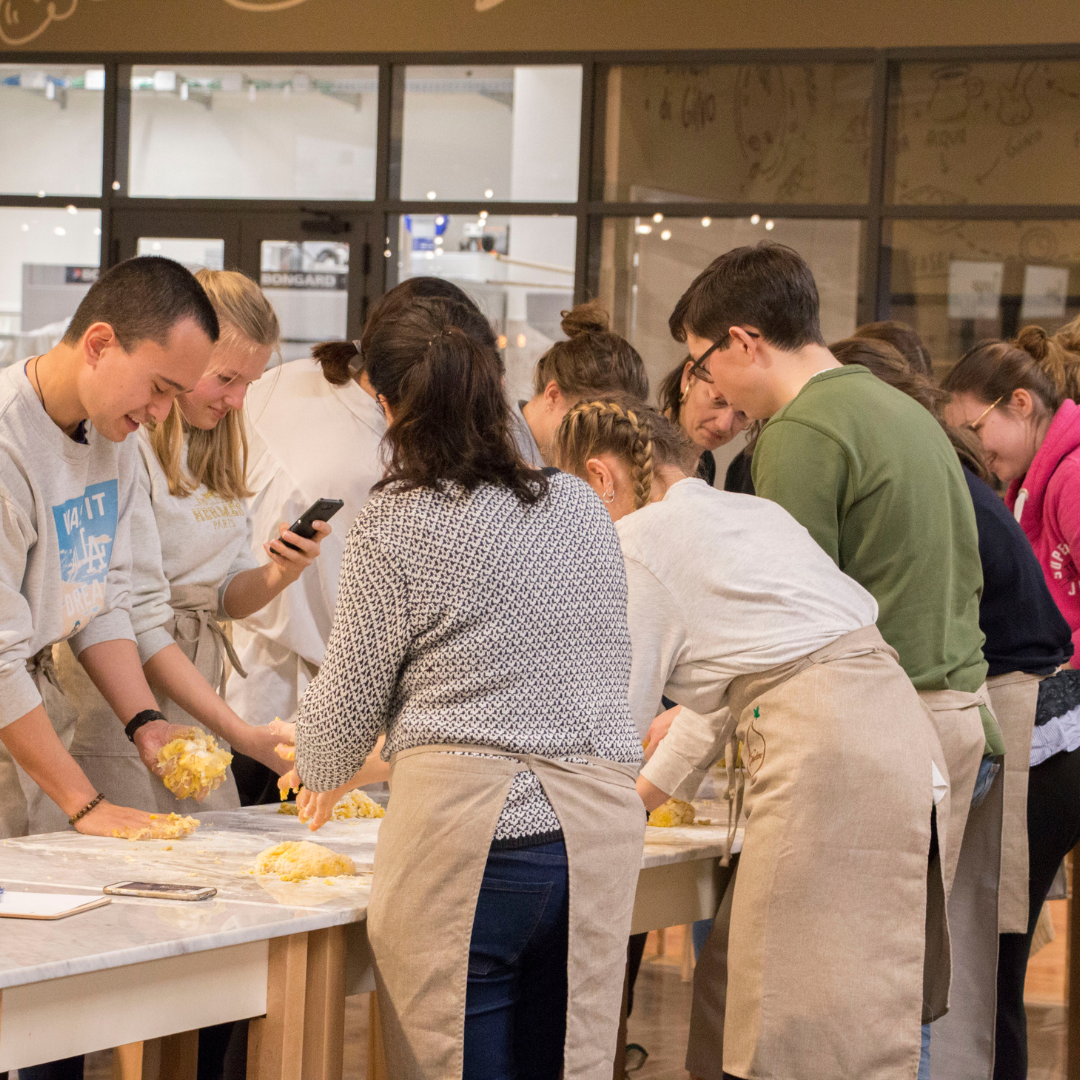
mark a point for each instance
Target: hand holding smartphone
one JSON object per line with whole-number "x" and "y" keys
{"x": 320, "y": 510}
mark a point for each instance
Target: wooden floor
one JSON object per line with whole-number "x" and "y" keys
{"x": 661, "y": 1015}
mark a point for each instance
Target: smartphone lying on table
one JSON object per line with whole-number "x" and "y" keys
{"x": 159, "y": 891}
{"x": 304, "y": 525}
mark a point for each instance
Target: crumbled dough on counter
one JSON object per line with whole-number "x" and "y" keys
{"x": 295, "y": 860}
{"x": 193, "y": 764}
{"x": 162, "y": 827}
{"x": 357, "y": 804}
{"x": 354, "y": 804}
{"x": 673, "y": 812}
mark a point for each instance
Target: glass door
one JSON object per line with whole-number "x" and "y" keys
{"x": 314, "y": 266}
{"x": 314, "y": 269}
{"x": 194, "y": 238}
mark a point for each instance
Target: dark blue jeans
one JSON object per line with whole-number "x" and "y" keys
{"x": 515, "y": 1006}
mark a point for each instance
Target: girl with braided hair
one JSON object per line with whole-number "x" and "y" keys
{"x": 737, "y": 615}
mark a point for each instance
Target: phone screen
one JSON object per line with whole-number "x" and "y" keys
{"x": 160, "y": 889}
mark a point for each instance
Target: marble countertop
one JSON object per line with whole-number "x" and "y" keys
{"x": 222, "y": 854}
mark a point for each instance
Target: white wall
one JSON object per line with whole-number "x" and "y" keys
{"x": 44, "y": 147}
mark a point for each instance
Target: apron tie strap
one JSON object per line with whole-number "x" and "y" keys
{"x": 191, "y": 602}
{"x": 736, "y": 784}
{"x": 42, "y": 665}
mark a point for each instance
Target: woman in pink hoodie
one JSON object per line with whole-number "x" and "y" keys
{"x": 1013, "y": 397}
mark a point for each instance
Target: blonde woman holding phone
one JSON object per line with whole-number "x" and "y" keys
{"x": 193, "y": 565}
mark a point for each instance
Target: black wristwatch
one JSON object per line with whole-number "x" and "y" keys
{"x": 147, "y": 716}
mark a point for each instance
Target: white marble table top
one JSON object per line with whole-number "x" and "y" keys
{"x": 221, "y": 853}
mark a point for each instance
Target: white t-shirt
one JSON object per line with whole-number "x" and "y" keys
{"x": 309, "y": 440}
{"x": 722, "y": 585}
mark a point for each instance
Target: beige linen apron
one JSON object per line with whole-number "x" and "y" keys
{"x": 108, "y": 757}
{"x": 24, "y": 807}
{"x": 960, "y": 731}
{"x": 828, "y": 908}
{"x": 429, "y": 862}
{"x": 981, "y": 907}
{"x": 1014, "y": 698}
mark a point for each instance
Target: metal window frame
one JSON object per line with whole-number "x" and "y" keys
{"x": 589, "y": 211}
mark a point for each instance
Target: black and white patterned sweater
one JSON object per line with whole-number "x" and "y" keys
{"x": 467, "y": 617}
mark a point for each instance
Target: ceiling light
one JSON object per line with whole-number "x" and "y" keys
{"x": 769, "y": 225}
{"x": 483, "y": 215}
{"x": 116, "y": 185}
{"x": 521, "y": 341}
{"x": 25, "y": 227}
{"x": 644, "y": 230}
{"x": 431, "y": 195}
{"x": 755, "y": 218}
{"x": 387, "y": 253}
{"x": 489, "y": 194}
{"x": 72, "y": 209}
{"x": 706, "y": 222}
{"x": 60, "y": 230}
{"x": 501, "y": 342}
{"x": 666, "y": 234}
{"x": 658, "y": 218}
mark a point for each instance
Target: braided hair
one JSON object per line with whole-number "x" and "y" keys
{"x": 631, "y": 430}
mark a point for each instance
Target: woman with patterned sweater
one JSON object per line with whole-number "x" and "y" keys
{"x": 481, "y": 622}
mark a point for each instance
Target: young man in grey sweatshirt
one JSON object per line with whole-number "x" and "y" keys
{"x": 142, "y": 334}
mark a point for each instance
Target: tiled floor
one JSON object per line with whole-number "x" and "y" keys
{"x": 661, "y": 1017}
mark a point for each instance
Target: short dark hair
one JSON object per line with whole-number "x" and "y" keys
{"x": 436, "y": 364}
{"x": 142, "y": 299}
{"x": 904, "y": 339}
{"x": 768, "y": 286}
{"x": 340, "y": 358}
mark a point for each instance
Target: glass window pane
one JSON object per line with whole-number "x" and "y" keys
{"x": 647, "y": 265}
{"x": 194, "y": 253}
{"x": 797, "y": 133}
{"x": 48, "y": 259}
{"x": 51, "y": 129}
{"x": 520, "y": 270}
{"x": 984, "y": 133}
{"x": 253, "y": 132}
{"x": 505, "y": 133}
{"x": 307, "y": 281}
{"x": 958, "y": 282}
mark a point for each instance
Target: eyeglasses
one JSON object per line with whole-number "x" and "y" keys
{"x": 699, "y": 371}
{"x": 974, "y": 425}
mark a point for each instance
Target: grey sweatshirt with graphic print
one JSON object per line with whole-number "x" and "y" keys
{"x": 65, "y": 548}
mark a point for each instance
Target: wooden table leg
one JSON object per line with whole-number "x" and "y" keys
{"x": 279, "y": 1036}
{"x": 172, "y": 1057}
{"x": 324, "y": 1006}
{"x": 376, "y": 1069}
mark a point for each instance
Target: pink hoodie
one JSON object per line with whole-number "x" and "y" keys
{"x": 1047, "y": 505}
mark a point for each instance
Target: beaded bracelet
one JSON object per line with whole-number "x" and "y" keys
{"x": 86, "y": 809}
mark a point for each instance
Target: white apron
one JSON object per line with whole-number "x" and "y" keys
{"x": 429, "y": 862}
{"x": 108, "y": 757}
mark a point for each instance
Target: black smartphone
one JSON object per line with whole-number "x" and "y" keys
{"x": 320, "y": 510}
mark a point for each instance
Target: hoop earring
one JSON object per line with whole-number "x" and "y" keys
{"x": 684, "y": 395}
{"x": 608, "y": 497}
